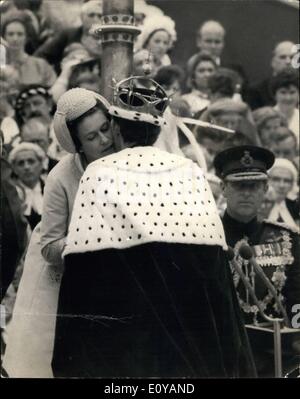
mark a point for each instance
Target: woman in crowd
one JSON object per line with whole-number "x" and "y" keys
{"x": 158, "y": 36}
{"x": 82, "y": 127}
{"x": 234, "y": 115}
{"x": 31, "y": 70}
{"x": 283, "y": 178}
{"x": 267, "y": 121}
{"x": 285, "y": 89}
{"x": 199, "y": 71}
{"x": 284, "y": 145}
{"x": 27, "y": 163}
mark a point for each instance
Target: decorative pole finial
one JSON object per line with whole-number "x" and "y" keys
{"x": 117, "y": 32}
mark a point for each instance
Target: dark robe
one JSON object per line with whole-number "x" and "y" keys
{"x": 153, "y": 310}
{"x": 13, "y": 231}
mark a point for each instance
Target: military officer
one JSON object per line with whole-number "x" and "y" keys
{"x": 276, "y": 247}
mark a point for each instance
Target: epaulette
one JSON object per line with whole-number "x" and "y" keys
{"x": 282, "y": 225}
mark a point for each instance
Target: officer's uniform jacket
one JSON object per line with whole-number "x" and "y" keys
{"x": 276, "y": 249}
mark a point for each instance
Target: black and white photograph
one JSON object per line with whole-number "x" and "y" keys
{"x": 150, "y": 216}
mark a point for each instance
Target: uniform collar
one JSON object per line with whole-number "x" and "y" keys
{"x": 240, "y": 227}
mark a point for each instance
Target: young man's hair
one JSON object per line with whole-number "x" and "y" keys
{"x": 284, "y": 79}
{"x": 167, "y": 75}
{"x": 137, "y": 132}
{"x": 222, "y": 83}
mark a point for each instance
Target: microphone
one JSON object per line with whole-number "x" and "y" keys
{"x": 230, "y": 254}
{"x": 246, "y": 252}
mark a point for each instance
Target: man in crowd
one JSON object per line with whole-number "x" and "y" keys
{"x": 261, "y": 94}
{"x": 211, "y": 39}
{"x": 276, "y": 247}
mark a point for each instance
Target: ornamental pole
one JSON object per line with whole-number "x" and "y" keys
{"x": 117, "y": 32}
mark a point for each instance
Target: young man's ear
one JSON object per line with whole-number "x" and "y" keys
{"x": 266, "y": 187}
{"x": 223, "y": 188}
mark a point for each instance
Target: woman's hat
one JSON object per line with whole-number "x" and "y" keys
{"x": 263, "y": 114}
{"x": 71, "y": 105}
{"x": 155, "y": 23}
{"x": 26, "y": 147}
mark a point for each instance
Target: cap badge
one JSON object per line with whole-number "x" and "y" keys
{"x": 247, "y": 160}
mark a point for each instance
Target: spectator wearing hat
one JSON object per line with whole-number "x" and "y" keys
{"x": 261, "y": 94}
{"x": 131, "y": 213}
{"x": 158, "y": 36}
{"x": 268, "y": 121}
{"x": 234, "y": 115}
{"x": 285, "y": 146}
{"x": 285, "y": 89}
{"x": 283, "y": 178}
{"x": 198, "y": 73}
{"x": 35, "y": 101}
{"x": 36, "y": 132}
{"x": 53, "y": 49}
{"x": 31, "y": 69}
{"x": 27, "y": 163}
{"x": 243, "y": 171}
